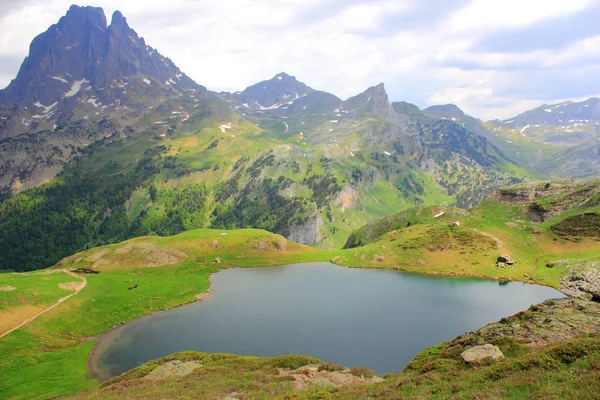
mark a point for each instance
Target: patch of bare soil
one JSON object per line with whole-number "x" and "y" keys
{"x": 203, "y": 296}
{"x": 7, "y": 288}
{"x": 125, "y": 249}
{"x": 71, "y": 286}
{"x": 144, "y": 246}
{"x": 97, "y": 256}
{"x": 160, "y": 256}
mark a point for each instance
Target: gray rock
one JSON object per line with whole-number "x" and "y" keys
{"x": 307, "y": 233}
{"x": 505, "y": 258}
{"x": 582, "y": 282}
{"x": 483, "y": 352}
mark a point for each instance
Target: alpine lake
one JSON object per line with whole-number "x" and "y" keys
{"x": 375, "y": 318}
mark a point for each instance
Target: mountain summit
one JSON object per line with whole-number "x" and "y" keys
{"x": 80, "y": 50}
{"x": 281, "y": 95}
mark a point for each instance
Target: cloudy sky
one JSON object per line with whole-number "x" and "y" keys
{"x": 493, "y": 58}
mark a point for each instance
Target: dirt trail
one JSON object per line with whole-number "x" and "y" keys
{"x": 58, "y": 302}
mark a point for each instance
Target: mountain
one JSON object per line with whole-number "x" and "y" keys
{"x": 555, "y": 141}
{"x": 452, "y": 112}
{"x": 560, "y": 114}
{"x": 281, "y": 95}
{"x": 82, "y": 81}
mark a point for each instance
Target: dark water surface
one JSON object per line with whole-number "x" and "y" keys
{"x": 377, "y": 318}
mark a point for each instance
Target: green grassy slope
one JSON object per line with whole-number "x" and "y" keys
{"x": 537, "y": 224}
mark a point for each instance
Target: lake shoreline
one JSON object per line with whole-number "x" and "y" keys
{"x": 97, "y": 373}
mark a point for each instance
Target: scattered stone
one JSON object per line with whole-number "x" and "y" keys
{"x": 378, "y": 258}
{"x": 453, "y": 224}
{"x": 132, "y": 287}
{"x": 501, "y": 265}
{"x": 483, "y": 352}
{"x": 173, "y": 368}
{"x": 218, "y": 260}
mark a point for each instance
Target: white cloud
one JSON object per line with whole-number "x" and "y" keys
{"x": 344, "y": 48}
{"x": 494, "y": 14}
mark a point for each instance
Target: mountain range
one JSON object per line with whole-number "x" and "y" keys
{"x": 103, "y": 139}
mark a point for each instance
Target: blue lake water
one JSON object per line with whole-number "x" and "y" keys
{"x": 376, "y": 318}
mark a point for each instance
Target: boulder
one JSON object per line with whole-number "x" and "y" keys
{"x": 505, "y": 258}
{"x": 501, "y": 265}
{"x": 218, "y": 260}
{"x": 479, "y": 353}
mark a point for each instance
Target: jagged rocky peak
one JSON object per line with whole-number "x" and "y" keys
{"x": 374, "y": 99}
{"x": 82, "y": 51}
{"x": 445, "y": 111}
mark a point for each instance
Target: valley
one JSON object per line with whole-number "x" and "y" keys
{"x": 150, "y": 226}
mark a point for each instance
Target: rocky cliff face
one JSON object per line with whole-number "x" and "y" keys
{"x": 81, "y": 51}
{"x": 81, "y": 64}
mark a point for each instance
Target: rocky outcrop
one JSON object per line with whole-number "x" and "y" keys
{"x": 308, "y": 232}
{"x": 317, "y": 376}
{"x": 173, "y": 368}
{"x": 346, "y": 198}
{"x": 503, "y": 260}
{"x": 480, "y": 353}
{"x": 582, "y": 281}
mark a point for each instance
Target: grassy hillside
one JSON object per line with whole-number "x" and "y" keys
{"x": 543, "y": 223}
